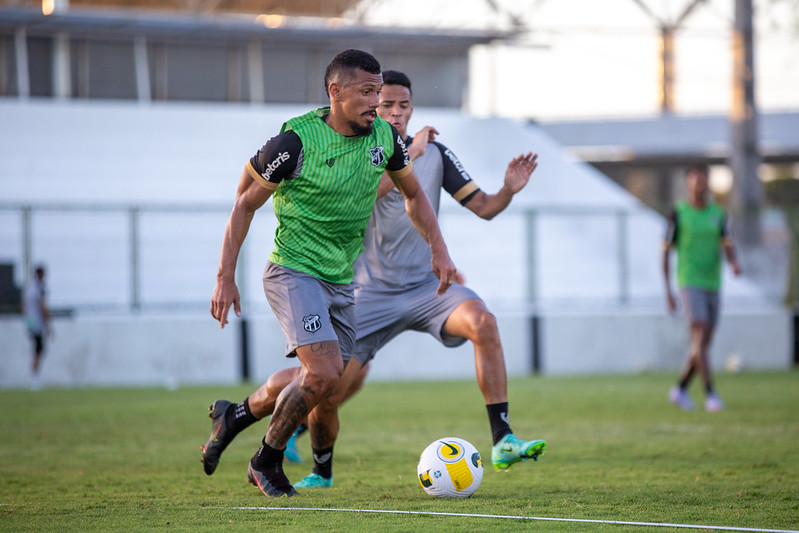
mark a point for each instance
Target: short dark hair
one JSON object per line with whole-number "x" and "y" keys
{"x": 702, "y": 168}
{"x": 395, "y": 77}
{"x": 343, "y": 65}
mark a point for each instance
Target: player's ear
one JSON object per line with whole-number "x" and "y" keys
{"x": 334, "y": 89}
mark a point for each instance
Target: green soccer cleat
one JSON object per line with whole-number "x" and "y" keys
{"x": 314, "y": 481}
{"x": 292, "y": 454}
{"x": 511, "y": 450}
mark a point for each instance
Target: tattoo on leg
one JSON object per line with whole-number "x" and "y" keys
{"x": 324, "y": 346}
{"x": 321, "y": 437}
{"x": 290, "y": 410}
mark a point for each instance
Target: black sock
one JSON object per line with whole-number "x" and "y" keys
{"x": 323, "y": 462}
{"x": 498, "y": 418}
{"x": 267, "y": 457}
{"x": 238, "y": 417}
{"x": 709, "y": 388}
{"x": 683, "y": 384}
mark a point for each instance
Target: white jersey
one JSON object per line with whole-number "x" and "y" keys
{"x": 34, "y": 297}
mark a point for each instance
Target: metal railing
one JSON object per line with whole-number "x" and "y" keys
{"x": 131, "y": 258}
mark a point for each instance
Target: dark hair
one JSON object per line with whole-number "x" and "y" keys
{"x": 702, "y": 168}
{"x": 342, "y": 66}
{"x": 394, "y": 77}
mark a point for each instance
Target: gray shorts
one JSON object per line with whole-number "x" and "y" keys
{"x": 700, "y": 305}
{"x": 309, "y": 309}
{"x": 383, "y": 313}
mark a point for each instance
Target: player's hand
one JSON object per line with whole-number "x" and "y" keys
{"x": 519, "y": 170}
{"x": 736, "y": 268}
{"x": 445, "y": 271}
{"x": 225, "y": 294}
{"x": 671, "y": 304}
{"x": 420, "y": 140}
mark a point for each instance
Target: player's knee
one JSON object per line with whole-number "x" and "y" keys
{"x": 280, "y": 379}
{"x": 484, "y": 326}
{"x": 322, "y": 380}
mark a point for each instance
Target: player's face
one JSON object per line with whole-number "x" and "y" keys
{"x": 358, "y": 99}
{"x": 395, "y": 107}
{"x": 697, "y": 183}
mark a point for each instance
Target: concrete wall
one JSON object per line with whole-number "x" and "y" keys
{"x": 169, "y": 351}
{"x": 123, "y": 351}
{"x": 627, "y": 341}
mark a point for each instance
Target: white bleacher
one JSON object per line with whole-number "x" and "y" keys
{"x": 123, "y": 154}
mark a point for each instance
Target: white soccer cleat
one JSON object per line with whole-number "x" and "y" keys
{"x": 713, "y": 403}
{"x": 680, "y": 398}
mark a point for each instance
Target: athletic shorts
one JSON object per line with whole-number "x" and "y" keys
{"x": 700, "y": 305}
{"x": 309, "y": 309}
{"x": 38, "y": 341}
{"x": 383, "y": 313}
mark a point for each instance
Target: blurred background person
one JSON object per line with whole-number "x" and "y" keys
{"x": 698, "y": 230}
{"x": 37, "y": 320}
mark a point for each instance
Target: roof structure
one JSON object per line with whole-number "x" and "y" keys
{"x": 321, "y": 8}
{"x": 673, "y": 139}
{"x": 175, "y": 26}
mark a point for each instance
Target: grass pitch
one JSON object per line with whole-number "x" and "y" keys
{"x": 129, "y": 459}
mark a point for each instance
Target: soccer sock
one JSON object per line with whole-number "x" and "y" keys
{"x": 709, "y": 388}
{"x": 323, "y": 462}
{"x": 683, "y": 384}
{"x": 238, "y": 417}
{"x": 267, "y": 457}
{"x": 498, "y": 418}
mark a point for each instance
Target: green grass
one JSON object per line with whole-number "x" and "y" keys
{"x": 129, "y": 459}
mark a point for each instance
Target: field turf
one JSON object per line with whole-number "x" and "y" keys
{"x": 129, "y": 459}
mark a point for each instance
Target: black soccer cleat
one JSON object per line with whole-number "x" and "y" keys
{"x": 272, "y": 482}
{"x": 219, "y": 439}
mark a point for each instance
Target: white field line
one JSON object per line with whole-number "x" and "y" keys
{"x": 541, "y": 518}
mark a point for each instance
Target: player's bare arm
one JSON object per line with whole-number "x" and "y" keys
{"x": 517, "y": 175}
{"x": 385, "y": 185}
{"x": 671, "y": 303}
{"x": 418, "y": 207}
{"x": 420, "y": 141}
{"x": 44, "y": 309}
{"x": 732, "y": 258}
{"x": 417, "y": 149}
{"x": 249, "y": 197}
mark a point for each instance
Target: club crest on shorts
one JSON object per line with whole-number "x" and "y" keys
{"x": 311, "y": 323}
{"x": 378, "y": 157}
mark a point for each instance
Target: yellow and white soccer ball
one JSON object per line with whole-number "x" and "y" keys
{"x": 450, "y": 468}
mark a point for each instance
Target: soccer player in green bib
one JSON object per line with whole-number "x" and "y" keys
{"x": 396, "y": 292}
{"x": 698, "y": 229}
{"x": 322, "y": 172}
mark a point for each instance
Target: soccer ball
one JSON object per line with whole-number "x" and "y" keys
{"x": 450, "y": 468}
